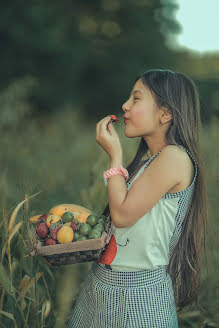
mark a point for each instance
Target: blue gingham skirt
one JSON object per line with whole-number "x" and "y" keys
{"x": 121, "y": 299}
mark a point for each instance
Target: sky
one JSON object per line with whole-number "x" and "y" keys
{"x": 200, "y": 25}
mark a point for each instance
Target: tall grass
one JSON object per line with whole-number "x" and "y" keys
{"x": 59, "y": 157}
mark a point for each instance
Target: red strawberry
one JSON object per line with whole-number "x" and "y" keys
{"x": 42, "y": 229}
{"x": 50, "y": 241}
{"x": 114, "y": 118}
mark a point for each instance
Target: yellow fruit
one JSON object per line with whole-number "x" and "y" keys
{"x": 67, "y": 224}
{"x": 62, "y": 208}
{"x": 53, "y": 219}
{"x": 34, "y": 219}
{"x": 76, "y": 215}
{"x": 65, "y": 235}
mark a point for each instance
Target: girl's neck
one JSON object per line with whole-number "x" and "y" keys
{"x": 155, "y": 145}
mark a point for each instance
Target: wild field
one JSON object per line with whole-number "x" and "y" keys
{"x": 57, "y": 160}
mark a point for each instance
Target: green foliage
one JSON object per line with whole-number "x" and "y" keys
{"x": 87, "y": 54}
{"x": 60, "y": 157}
{"x": 76, "y": 49}
{"x": 15, "y": 102}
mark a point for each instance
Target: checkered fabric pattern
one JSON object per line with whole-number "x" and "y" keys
{"x": 135, "y": 299}
{"x": 115, "y": 299}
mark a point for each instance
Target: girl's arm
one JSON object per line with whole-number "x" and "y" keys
{"x": 117, "y": 189}
{"x": 163, "y": 173}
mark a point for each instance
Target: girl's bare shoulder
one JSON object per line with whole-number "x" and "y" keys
{"x": 187, "y": 173}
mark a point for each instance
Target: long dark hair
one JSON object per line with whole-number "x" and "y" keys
{"x": 179, "y": 94}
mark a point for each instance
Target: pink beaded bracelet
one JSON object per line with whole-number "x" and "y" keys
{"x": 121, "y": 170}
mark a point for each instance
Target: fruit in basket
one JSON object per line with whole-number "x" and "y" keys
{"x": 65, "y": 235}
{"x": 76, "y": 215}
{"x": 67, "y": 217}
{"x": 49, "y": 241}
{"x": 53, "y": 219}
{"x": 54, "y": 228}
{"x": 84, "y": 230}
{"x": 102, "y": 217}
{"x": 42, "y": 229}
{"x": 80, "y": 238}
{"x": 38, "y": 218}
{"x": 101, "y": 221}
{"x": 75, "y": 225}
{"x": 92, "y": 220}
{"x": 68, "y": 224}
{"x": 99, "y": 227}
{"x": 76, "y": 235}
{"x": 94, "y": 233}
{"x": 62, "y": 208}
{"x": 35, "y": 218}
{"x": 43, "y": 217}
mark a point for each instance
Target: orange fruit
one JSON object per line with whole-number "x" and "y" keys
{"x": 65, "y": 235}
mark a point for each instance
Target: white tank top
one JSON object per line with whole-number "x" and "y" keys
{"x": 149, "y": 243}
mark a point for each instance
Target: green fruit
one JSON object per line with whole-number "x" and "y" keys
{"x": 95, "y": 233}
{"x": 67, "y": 217}
{"x": 101, "y": 221}
{"x": 98, "y": 226}
{"x": 102, "y": 217}
{"x": 82, "y": 238}
{"x": 92, "y": 220}
{"x": 85, "y": 228}
{"x": 76, "y": 235}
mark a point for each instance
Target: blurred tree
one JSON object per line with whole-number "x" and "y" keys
{"x": 84, "y": 53}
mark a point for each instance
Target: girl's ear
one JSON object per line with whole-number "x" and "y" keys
{"x": 166, "y": 116}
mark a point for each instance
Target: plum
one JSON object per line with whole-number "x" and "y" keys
{"x": 42, "y": 229}
{"x": 50, "y": 241}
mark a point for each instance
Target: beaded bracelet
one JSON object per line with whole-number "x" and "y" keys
{"x": 121, "y": 170}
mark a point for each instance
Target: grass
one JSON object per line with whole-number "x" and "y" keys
{"x": 59, "y": 158}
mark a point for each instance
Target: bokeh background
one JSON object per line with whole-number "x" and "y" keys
{"x": 64, "y": 66}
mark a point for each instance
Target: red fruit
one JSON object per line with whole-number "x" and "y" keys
{"x": 42, "y": 229}
{"x": 53, "y": 233}
{"x": 74, "y": 226}
{"x": 50, "y": 241}
{"x": 114, "y": 118}
{"x": 43, "y": 217}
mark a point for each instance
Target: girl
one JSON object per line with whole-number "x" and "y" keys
{"x": 158, "y": 214}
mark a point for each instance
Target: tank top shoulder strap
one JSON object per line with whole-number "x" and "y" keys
{"x": 188, "y": 189}
{"x": 193, "y": 160}
{"x": 151, "y": 159}
{"x": 188, "y": 152}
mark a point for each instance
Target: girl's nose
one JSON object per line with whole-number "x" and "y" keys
{"x": 125, "y": 106}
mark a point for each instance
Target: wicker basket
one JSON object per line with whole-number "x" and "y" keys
{"x": 74, "y": 252}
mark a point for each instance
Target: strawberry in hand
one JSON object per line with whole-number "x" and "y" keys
{"x": 114, "y": 119}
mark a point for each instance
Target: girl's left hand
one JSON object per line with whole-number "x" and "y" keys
{"x": 107, "y": 137}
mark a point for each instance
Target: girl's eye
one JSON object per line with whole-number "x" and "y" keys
{"x": 136, "y": 98}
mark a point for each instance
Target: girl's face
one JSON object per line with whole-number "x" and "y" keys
{"x": 142, "y": 112}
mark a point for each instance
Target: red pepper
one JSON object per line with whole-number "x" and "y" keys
{"x": 114, "y": 118}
